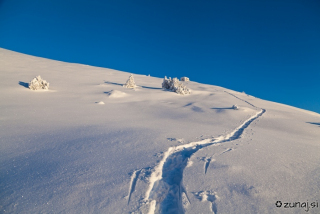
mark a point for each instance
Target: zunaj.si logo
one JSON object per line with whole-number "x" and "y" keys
{"x": 278, "y": 204}
{"x": 306, "y": 205}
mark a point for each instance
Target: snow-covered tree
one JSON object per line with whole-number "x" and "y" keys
{"x": 181, "y": 89}
{"x": 185, "y": 79}
{"x": 38, "y": 83}
{"x": 175, "y": 86}
{"x": 166, "y": 83}
{"x": 130, "y": 82}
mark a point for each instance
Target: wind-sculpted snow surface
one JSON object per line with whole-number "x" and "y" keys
{"x": 103, "y": 148}
{"x": 166, "y": 186}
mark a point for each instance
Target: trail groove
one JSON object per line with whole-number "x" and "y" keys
{"x": 241, "y": 99}
{"x": 166, "y": 186}
{"x": 165, "y": 191}
{"x": 133, "y": 182}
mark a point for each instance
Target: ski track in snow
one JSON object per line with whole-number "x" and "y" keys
{"x": 241, "y": 99}
{"x": 133, "y": 182}
{"x": 228, "y": 150}
{"x": 165, "y": 190}
{"x": 208, "y": 160}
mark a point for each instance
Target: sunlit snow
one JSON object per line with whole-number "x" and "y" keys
{"x": 89, "y": 145}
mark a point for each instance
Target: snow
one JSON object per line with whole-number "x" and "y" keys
{"x": 235, "y": 107}
{"x": 38, "y": 83}
{"x": 92, "y": 146}
{"x": 175, "y": 86}
{"x": 116, "y": 94}
{"x": 185, "y": 79}
{"x": 100, "y": 103}
{"x": 130, "y": 83}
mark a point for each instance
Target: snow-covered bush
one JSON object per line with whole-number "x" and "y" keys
{"x": 186, "y": 79}
{"x": 235, "y": 107}
{"x": 130, "y": 83}
{"x": 175, "y": 86}
{"x": 38, "y": 83}
{"x": 167, "y": 83}
{"x": 181, "y": 89}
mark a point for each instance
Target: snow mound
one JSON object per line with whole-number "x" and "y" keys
{"x": 100, "y": 103}
{"x": 116, "y": 94}
{"x": 38, "y": 83}
{"x": 235, "y": 107}
{"x": 175, "y": 85}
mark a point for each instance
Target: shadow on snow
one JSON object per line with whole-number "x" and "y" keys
{"x": 24, "y": 84}
{"x": 147, "y": 87}
{"x": 314, "y": 123}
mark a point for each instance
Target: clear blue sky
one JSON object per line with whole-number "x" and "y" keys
{"x": 268, "y": 48}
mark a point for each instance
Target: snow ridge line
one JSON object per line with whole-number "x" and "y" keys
{"x": 175, "y": 159}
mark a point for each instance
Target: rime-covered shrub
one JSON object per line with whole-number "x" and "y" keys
{"x": 235, "y": 107}
{"x": 185, "y": 79}
{"x": 166, "y": 83}
{"x": 175, "y": 86}
{"x": 130, "y": 83}
{"x": 38, "y": 83}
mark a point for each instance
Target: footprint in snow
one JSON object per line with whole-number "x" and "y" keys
{"x": 210, "y": 196}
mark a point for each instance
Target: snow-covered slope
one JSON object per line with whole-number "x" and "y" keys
{"x": 89, "y": 145}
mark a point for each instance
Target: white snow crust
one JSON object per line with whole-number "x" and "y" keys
{"x": 147, "y": 150}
